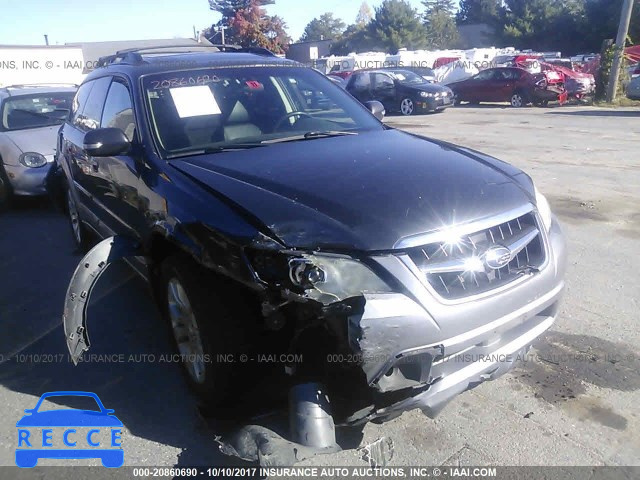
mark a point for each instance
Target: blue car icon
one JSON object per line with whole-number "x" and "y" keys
{"x": 85, "y": 433}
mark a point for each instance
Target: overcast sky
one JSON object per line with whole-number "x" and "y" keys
{"x": 26, "y": 21}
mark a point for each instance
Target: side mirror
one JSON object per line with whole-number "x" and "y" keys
{"x": 106, "y": 142}
{"x": 376, "y": 108}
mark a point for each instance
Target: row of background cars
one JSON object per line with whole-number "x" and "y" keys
{"x": 30, "y": 114}
{"x": 519, "y": 78}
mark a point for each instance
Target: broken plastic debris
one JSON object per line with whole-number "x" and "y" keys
{"x": 378, "y": 453}
{"x": 255, "y": 443}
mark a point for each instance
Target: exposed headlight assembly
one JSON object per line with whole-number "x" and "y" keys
{"x": 427, "y": 94}
{"x": 543, "y": 209}
{"x": 32, "y": 160}
{"x": 323, "y": 277}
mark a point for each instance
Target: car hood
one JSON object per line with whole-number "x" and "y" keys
{"x": 364, "y": 192}
{"x": 41, "y": 140}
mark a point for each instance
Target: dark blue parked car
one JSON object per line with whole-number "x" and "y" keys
{"x": 275, "y": 216}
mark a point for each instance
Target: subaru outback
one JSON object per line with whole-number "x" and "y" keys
{"x": 390, "y": 271}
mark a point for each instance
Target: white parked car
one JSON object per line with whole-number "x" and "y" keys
{"x": 30, "y": 116}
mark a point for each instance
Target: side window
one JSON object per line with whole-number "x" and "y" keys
{"x": 508, "y": 75}
{"x": 89, "y": 118}
{"x": 484, "y": 75}
{"x": 79, "y": 102}
{"x": 118, "y": 110}
{"x": 361, "y": 82}
{"x": 383, "y": 82}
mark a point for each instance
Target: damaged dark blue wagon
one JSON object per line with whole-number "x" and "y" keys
{"x": 273, "y": 214}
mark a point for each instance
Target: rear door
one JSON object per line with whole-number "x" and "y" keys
{"x": 478, "y": 88}
{"x": 384, "y": 91}
{"x": 504, "y": 83}
{"x": 360, "y": 86}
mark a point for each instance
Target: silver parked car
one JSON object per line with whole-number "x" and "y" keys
{"x": 30, "y": 116}
{"x": 633, "y": 89}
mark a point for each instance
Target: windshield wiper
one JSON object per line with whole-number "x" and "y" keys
{"x": 311, "y": 135}
{"x": 222, "y": 148}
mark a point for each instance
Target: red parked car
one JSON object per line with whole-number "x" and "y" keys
{"x": 579, "y": 85}
{"x": 510, "y": 84}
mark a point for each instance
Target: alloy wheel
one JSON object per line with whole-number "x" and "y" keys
{"x": 406, "y": 106}
{"x": 516, "y": 100}
{"x": 185, "y": 330}
{"x": 74, "y": 218}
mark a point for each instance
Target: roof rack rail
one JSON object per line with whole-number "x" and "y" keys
{"x": 237, "y": 48}
{"x": 134, "y": 55}
{"x": 37, "y": 85}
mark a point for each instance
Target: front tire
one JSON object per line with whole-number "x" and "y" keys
{"x": 78, "y": 230}
{"x": 5, "y": 190}
{"x": 407, "y": 107}
{"x": 206, "y": 333}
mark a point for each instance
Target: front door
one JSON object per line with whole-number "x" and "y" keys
{"x": 121, "y": 178}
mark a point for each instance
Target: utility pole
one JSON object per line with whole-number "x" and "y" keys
{"x": 222, "y": 27}
{"x": 621, "y": 40}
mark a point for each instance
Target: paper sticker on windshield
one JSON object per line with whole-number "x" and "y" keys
{"x": 194, "y": 101}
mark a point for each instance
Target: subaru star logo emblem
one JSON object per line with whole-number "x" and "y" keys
{"x": 497, "y": 257}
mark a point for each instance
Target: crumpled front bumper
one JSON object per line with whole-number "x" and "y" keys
{"x": 429, "y": 350}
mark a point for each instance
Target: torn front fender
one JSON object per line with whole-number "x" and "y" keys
{"x": 87, "y": 273}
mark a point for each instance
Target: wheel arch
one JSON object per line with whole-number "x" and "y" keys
{"x": 163, "y": 243}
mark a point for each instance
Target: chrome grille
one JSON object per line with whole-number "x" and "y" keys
{"x": 478, "y": 262}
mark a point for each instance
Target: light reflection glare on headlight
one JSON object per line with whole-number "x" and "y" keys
{"x": 451, "y": 237}
{"x": 473, "y": 264}
{"x": 543, "y": 209}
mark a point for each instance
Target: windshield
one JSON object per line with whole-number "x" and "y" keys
{"x": 214, "y": 109}
{"x": 33, "y": 111}
{"x": 407, "y": 77}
